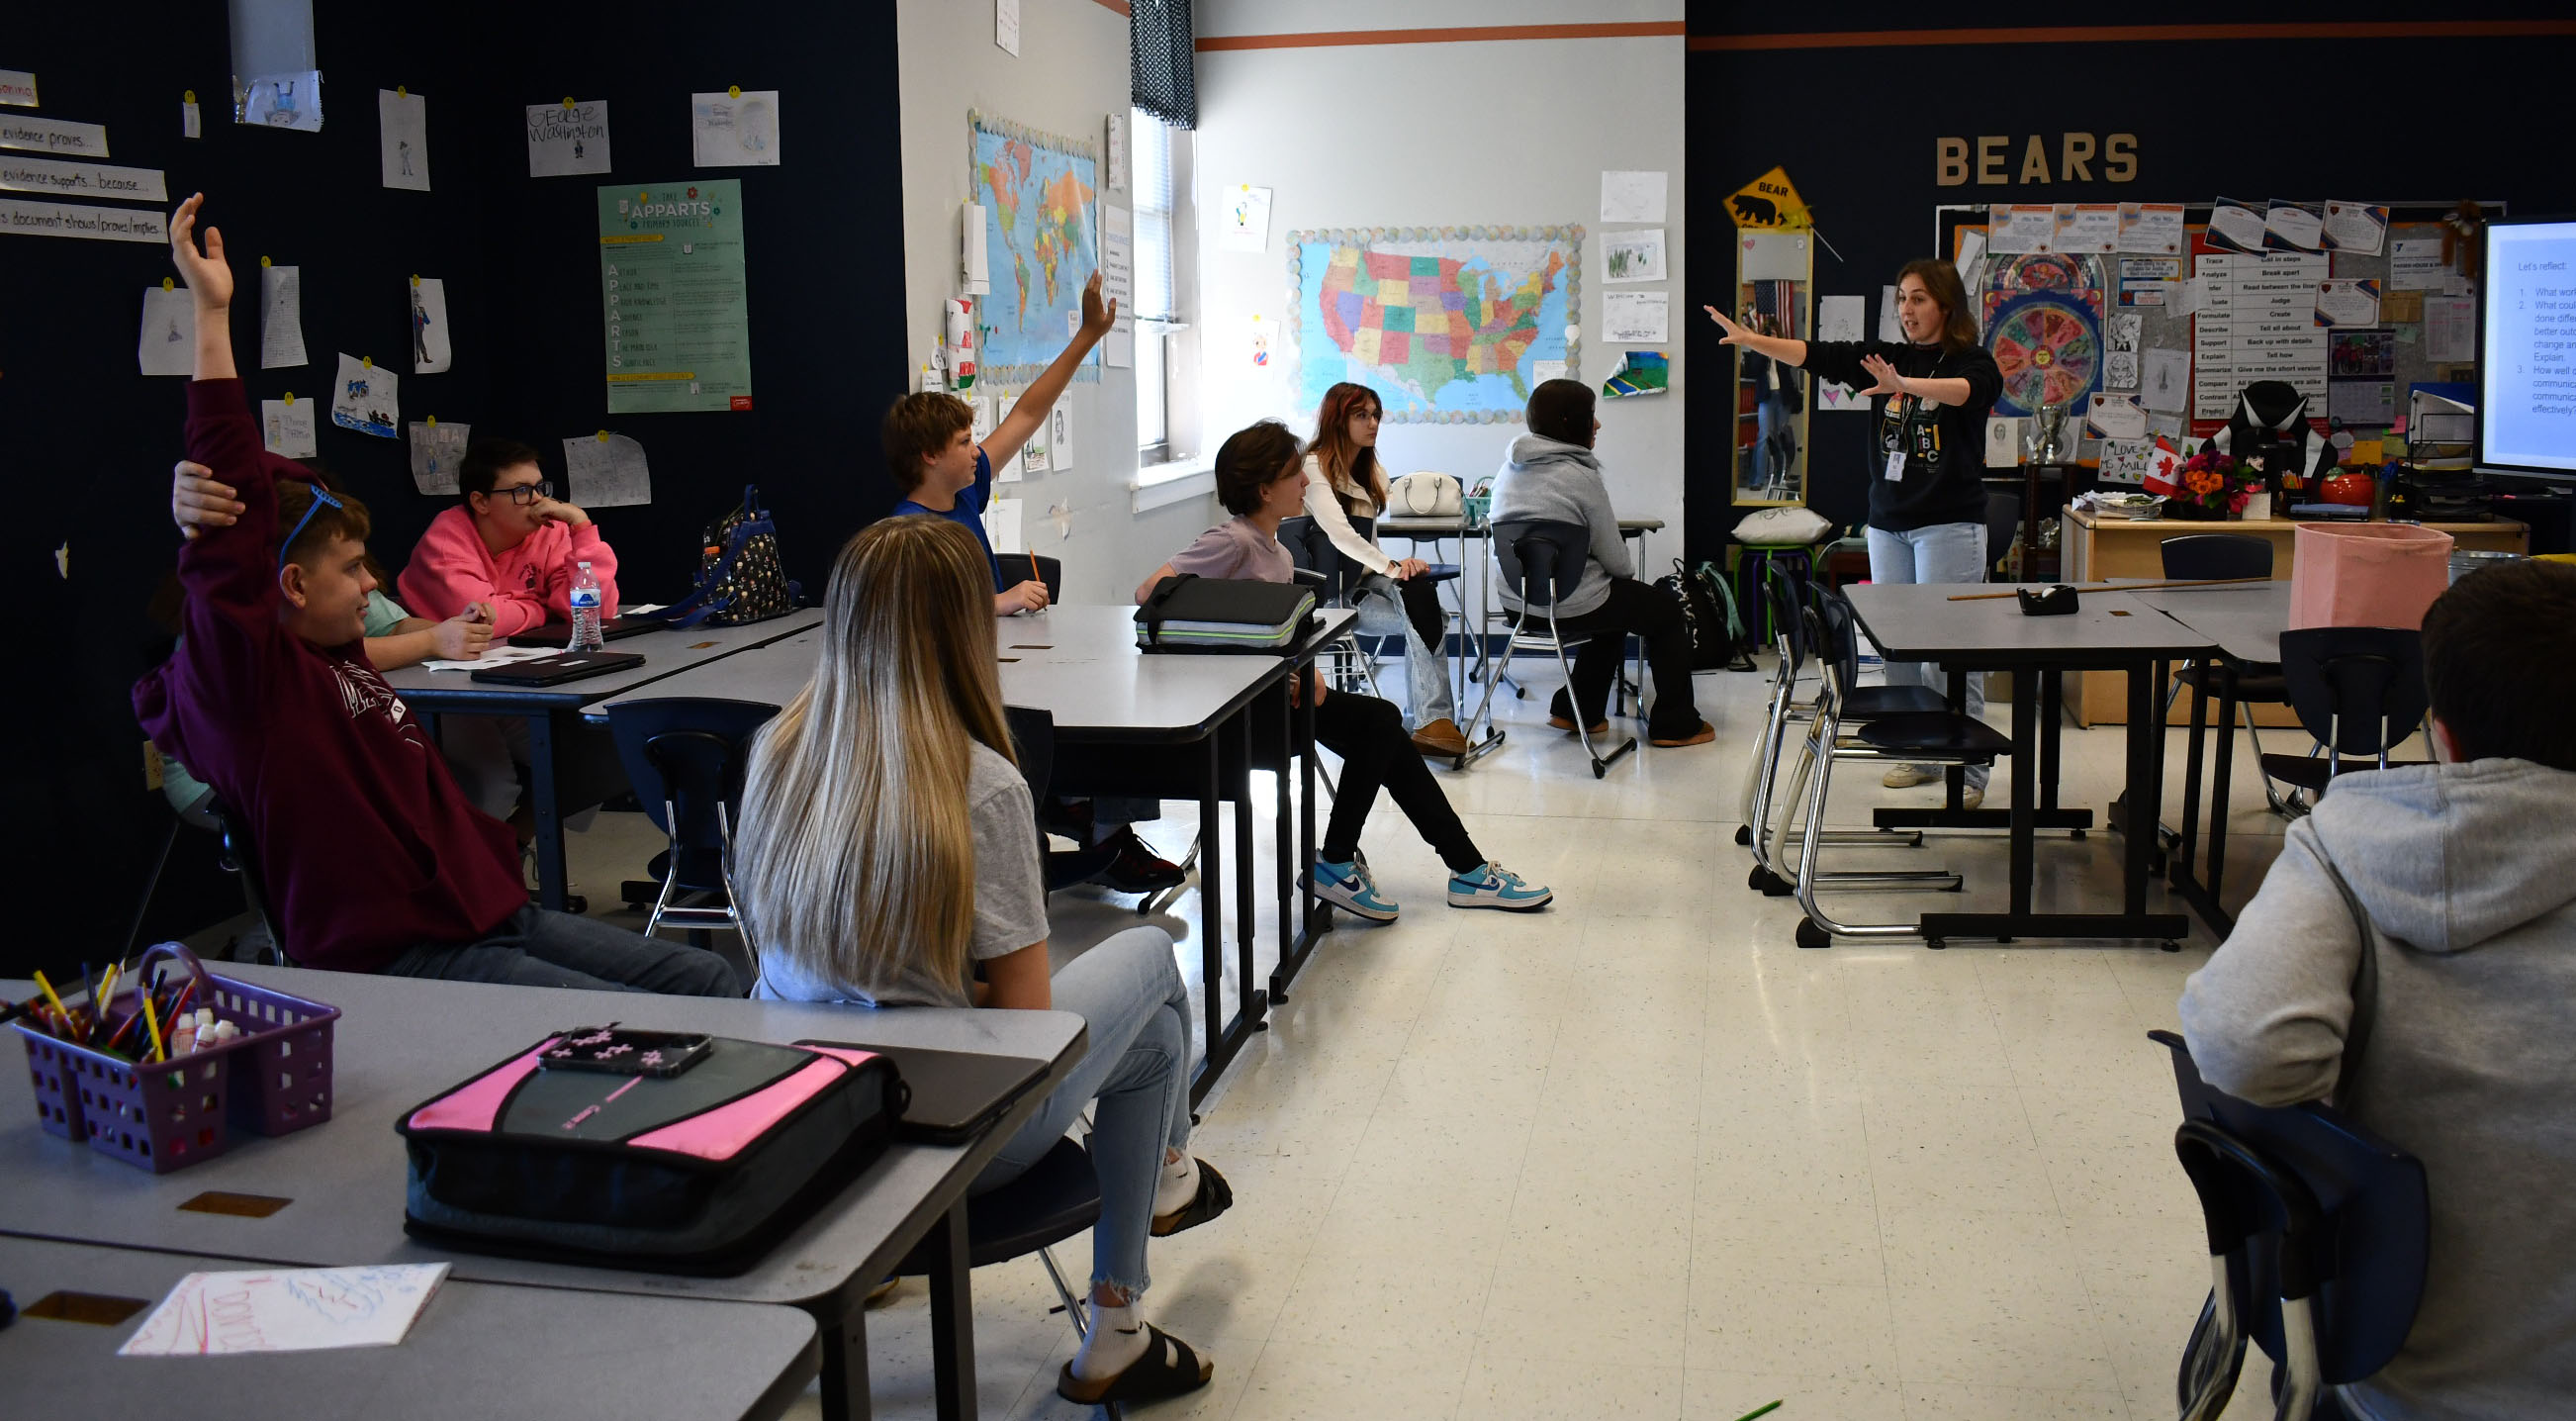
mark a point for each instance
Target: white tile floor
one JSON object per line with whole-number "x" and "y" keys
{"x": 1640, "y": 1156}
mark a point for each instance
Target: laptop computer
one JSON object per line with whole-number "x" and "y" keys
{"x": 556, "y": 670}
{"x": 956, "y": 1095}
{"x": 615, "y": 628}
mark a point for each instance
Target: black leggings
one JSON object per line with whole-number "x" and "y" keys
{"x": 1656, "y": 617}
{"x": 1369, "y": 736}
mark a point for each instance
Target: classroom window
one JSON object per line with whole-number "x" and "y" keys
{"x": 1157, "y": 303}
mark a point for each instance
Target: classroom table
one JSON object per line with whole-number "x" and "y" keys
{"x": 665, "y": 653}
{"x": 477, "y": 1350}
{"x": 2245, "y": 624}
{"x": 1080, "y": 665}
{"x": 1415, "y": 529}
{"x": 2111, "y": 631}
{"x": 400, "y": 1040}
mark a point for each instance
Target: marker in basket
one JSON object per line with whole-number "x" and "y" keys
{"x": 152, "y": 1024}
{"x": 64, "y": 1017}
{"x": 100, "y": 998}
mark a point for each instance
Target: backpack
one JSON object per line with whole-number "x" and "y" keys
{"x": 1718, "y": 637}
{"x": 740, "y": 577}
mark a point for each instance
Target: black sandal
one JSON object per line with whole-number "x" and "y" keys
{"x": 1215, "y": 1196}
{"x": 1168, "y": 1368}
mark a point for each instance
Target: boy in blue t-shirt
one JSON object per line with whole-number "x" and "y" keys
{"x": 931, "y": 450}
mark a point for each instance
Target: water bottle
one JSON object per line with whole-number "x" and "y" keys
{"x": 585, "y": 612}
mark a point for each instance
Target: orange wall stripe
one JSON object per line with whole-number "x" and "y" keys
{"x": 2117, "y": 34}
{"x": 1118, "y": 5}
{"x": 1640, "y": 29}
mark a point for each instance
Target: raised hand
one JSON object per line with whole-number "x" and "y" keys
{"x": 197, "y": 502}
{"x": 1097, "y": 315}
{"x": 1735, "y": 334}
{"x": 1889, "y": 382}
{"x": 205, "y": 272}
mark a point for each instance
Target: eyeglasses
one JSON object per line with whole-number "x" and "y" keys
{"x": 321, "y": 496}
{"x": 525, "y": 494}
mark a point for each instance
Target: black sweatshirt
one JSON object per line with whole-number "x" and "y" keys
{"x": 1945, "y": 457}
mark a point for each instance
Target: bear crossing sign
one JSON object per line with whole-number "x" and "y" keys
{"x": 1769, "y": 201}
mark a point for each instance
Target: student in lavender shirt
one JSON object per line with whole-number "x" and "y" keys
{"x": 1261, "y": 478}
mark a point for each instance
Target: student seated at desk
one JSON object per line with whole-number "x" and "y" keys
{"x": 888, "y": 878}
{"x": 374, "y": 859}
{"x": 1551, "y": 473}
{"x": 1261, "y": 479}
{"x": 2461, "y": 868}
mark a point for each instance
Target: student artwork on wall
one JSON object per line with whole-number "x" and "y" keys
{"x": 1449, "y": 325}
{"x": 1040, "y": 196}
{"x": 2043, "y": 323}
{"x": 734, "y": 129}
{"x": 568, "y": 138}
{"x": 402, "y": 137}
{"x": 367, "y": 398}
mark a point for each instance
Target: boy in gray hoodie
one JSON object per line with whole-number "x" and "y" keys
{"x": 2467, "y": 870}
{"x": 1551, "y": 473}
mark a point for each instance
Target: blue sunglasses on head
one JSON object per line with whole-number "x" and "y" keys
{"x": 321, "y": 496}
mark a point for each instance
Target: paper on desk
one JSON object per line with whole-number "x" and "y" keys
{"x": 607, "y": 470}
{"x": 287, "y": 1310}
{"x": 496, "y": 654}
{"x": 167, "y": 344}
{"x": 281, "y": 317}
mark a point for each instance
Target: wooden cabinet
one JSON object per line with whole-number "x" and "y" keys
{"x": 2100, "y": 548}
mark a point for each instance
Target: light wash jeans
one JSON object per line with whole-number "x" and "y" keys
{"x": 1426, "y": 668}
{"x": 1944, "y": 552}
{"x": 1137, "y": 1066}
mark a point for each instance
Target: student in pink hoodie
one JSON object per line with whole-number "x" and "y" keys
{"x": 509, "y": 543}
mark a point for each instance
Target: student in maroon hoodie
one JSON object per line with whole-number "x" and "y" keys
{"x": 374, "y": 859}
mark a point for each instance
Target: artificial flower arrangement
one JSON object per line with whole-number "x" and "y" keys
{"x": 2214, "y": 484}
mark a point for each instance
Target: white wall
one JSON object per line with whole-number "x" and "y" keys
{"x": 1071, "y": 73}
{"x": 1457, "y": 134}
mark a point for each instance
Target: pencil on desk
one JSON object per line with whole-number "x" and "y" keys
{"x": 2115, "y": 587}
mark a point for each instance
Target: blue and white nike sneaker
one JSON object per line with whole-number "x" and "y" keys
{"x": 1495, "y": 886}
{"x": 1347, "y": 886}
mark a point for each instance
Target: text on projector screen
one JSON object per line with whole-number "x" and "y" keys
{"x": 2076, "y": 155}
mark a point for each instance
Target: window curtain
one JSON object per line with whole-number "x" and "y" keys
{"x": 1162, "y": 60}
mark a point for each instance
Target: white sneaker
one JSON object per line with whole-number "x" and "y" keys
{"x": 1908, "y": 776}
{"x": 1972, "y": 798}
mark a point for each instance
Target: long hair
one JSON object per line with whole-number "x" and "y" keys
{"x": 1561, "y": 410}
{"x": 1958, "y": 323}
{"x": 1348, "y": 467}
{"x": 855, "y": 856}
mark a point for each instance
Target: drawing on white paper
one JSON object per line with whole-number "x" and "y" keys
{"x": 167, "y": 344}
{"x": 281, "y": 318}
{"x": 1038, "y": 455}
{"x": 436, "y": 450}
{"x": 1060, "y": 434}
{"x": 2166, "y": 383}
{"x": 2116, "y": 416}
{"x": 1636, "y": 255}
{"x": 431, "y": 349}
{"x": 1839, "y": 318}
{"x": 367, "y": 398}
{"x": 2124, "y": 461}
{"x": 607, "y": 472}
{"x": 287, "y": 1310}
{"x": 1636, "y": 317}
{"x": 284, "y": 101}
{"x": 1243, "y": 219}
{"x": 1632, "y": 196}
{"x": 2125, "y": 327}
{"x": 568, "y": 138}
{"x": 292, "y": 429}
{"x": 1006, "y": 26}
{"x": 402, "y": 134}
{"x": 734, "y": 130}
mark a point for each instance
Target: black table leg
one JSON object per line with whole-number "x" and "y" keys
{"x": 1250, "y": 1004}
{"x": 1283, "y": 843}
{"x": 2195, "y": 749}
{"x": 2218, "y": 800}
{"x": 1956, "y": 778}
{"x": 952, "y": 1318}
{"x": 1318, "y": 914}
{"x": 547, "y": 809}
{"x": 2052, "y": 703}
{"x": 2142, "y": 789}
{"x": 1212, "y": 922}
{"x": 2025, "y": 803}
{"x": 842, "y": 1319}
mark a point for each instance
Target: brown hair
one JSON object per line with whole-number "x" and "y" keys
{"x": 918, "y": 427}
{"x": 855, "y": 865}
{"x": 1561, "y": 410}
{"x": 1941, "y": 280}
{"x": 484, "y": 460}
{"x": 1252, "y": 459}
{"x": 2500, "y": 663}
{"x": 349, "y": 520}
{"x": 1348, "y": 467}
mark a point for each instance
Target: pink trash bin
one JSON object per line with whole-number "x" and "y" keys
{"x": 2367, "y": 575}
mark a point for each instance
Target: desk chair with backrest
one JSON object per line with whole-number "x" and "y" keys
{"x": 2219, "y": 556}
{"x": 1542, "y": 559}
{"x": 686, "y": 757}
{"x": 2318, "y": 1234}
{"x": 1336, "y": 581}
{"x": 2003, "y": 520}
{"x": 2359, "y": 691}
{"x": 1943, "y": 737}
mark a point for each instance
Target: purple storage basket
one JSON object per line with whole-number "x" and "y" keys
{"x": 272, "y": 1080}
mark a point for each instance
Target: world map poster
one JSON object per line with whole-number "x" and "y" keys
{"x": 1450, "y": 325}
{"x": 1041, "y": 201}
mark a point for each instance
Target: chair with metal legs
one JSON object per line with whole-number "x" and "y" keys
{"x": 1541, "y": 560}
{"x": 2218, "y": 556}
{"x": 2359, "y": 692}
{"x": 1782, "y": 612}
{"x": 686, "y": 757}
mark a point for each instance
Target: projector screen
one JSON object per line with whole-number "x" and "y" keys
{"x": 2527, "y": 349}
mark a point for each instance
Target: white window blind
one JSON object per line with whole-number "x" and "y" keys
{"x": 1153, "y": 169}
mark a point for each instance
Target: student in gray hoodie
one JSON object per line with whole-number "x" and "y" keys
{"x": 2467, "y": 870}
{"x": 1552, "y": 473}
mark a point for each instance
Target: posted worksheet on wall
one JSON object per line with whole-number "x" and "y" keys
{"x": 167, "y": 344}
{"x": 432, "y": 350}
{"x": 607, "y": 470}
{"x": 1117, "y": 281}
{"x": 734, "y": 129}
{"x": 1633, "y": 255}
{"x": 402, "y": 136}
{"x": 674, "y": 304}
{"x": 2257, "y": 321}
{"x": 368, "y": 398}
{"x": 436, "y": 450}
{"x": 568, "y": 138}
{"x": 1636, "y": 317}
{"x": 1839, "y": 318}
{"x": 291, "y": 428}
{"x": 281, "y": 317}
{"x": 1632, "y": 196}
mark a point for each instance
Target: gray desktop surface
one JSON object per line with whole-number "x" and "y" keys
{"x": 477, "y": 1350}
{"x": 400, "y": 1041}
{"x": 666, "y": 653}
{"x": 1920, "y": 622}
{"x": 2245, "y": 621}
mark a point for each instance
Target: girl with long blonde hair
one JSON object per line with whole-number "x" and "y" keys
{"x": 889, "y": 853}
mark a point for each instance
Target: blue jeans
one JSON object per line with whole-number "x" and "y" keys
{"x": 540, "y": 948}
{"x": 1137, "y": 1066}
{"x": 1389, "y": 608}
{"x": 1944, "y": 552}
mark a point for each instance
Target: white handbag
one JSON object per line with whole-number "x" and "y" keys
{"x": 1424, "y": 494}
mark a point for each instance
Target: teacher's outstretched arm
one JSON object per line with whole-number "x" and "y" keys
{"x": 1788, "y": 350}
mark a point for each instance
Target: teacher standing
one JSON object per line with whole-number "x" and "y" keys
{"x": 1927, "y": 493}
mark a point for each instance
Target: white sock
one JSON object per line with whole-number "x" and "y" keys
{"x": 1177, "y": 1187}
{"x": 1117, "y": 1339}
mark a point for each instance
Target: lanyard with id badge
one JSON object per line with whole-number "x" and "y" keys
{"x": 1904, "y": 438}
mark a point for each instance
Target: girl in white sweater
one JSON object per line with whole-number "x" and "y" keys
{"x": 1345, "y": 481}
